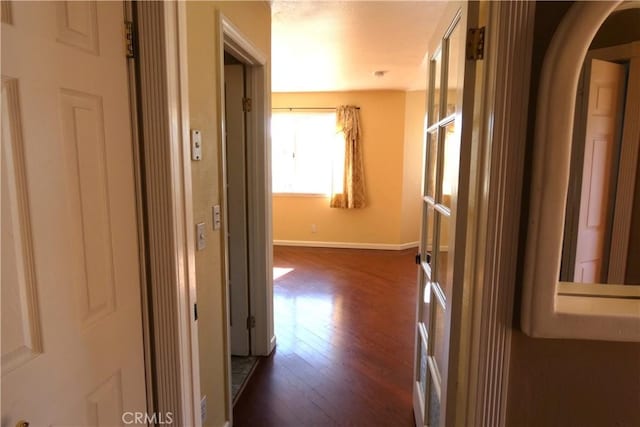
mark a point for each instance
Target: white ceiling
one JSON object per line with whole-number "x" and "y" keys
{"x": 338, "y": 45}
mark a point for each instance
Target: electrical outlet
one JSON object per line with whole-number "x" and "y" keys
{"x": 203, "y": 408}
{"x": 314, "y": 228}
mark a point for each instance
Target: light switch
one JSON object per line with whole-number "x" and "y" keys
{"x": 196, "y": 144}
{"x": 201, "y": 242}
{"x": 217, "y": 221}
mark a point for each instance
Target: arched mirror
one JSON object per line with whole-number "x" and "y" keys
{"x": 583, "y": 248}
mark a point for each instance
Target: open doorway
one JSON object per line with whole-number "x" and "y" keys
{"x": 246, "y": 209}
{"x": 237, "y": 105}
{"x": 600, "y": 211}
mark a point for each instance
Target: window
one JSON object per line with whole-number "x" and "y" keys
{"x": 307, "y": 153}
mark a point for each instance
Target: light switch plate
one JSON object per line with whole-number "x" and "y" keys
{"x": 201, "y": 242}
{"x": 217, "y": 220}
{"x": 196, "y": 144}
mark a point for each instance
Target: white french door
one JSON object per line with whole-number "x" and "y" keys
{"x": 439, "y": 305}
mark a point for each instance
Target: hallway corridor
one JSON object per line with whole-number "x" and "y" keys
{"x": 344, "y": 322}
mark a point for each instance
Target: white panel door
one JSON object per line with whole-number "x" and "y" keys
{"x": 237, "y": 209}
{"x": 72, "y": 350}
{"x": 603, "y": 112}
{"x": 440, "y": 277}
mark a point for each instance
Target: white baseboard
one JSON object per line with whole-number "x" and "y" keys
{"x": 272, "y": 344}
{"x": 347, "y": 245}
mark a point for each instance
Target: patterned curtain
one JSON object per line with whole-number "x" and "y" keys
{"x": 353, "y": 191}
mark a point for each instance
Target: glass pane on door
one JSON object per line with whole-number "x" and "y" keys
{"x": 444, "y": 268}
{"x": 422, "y": 372}
{"x": 434, "y": 408}
{"x": 451, "y": 162}
{"x": 434, "y": 95}
{"x": 438, "y": 328}
{"x": 431, "y": 165}
{"x": 454, "y": 46}
{"x": 426, "y": 313}
{"x": 428, "y": 227}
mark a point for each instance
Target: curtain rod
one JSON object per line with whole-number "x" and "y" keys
{"x": 307, "y": 108}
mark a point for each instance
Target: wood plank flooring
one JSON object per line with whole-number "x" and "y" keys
{"x": 344, "y": 322}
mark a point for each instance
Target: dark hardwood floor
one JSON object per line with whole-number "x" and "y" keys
{"x": 344, "y": 322}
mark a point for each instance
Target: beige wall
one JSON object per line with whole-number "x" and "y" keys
{"x": 619, "y": 28}
{"x": 254, "y": 21}
{"x": 388, "y": 158}
{"x": 561, "y": 382}
{"x": 415, "y": 111}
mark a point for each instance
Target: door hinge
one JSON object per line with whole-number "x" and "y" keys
{"x": 475, "y": 44}
{"x": 251, "y": 322}
{"x": 129, "y": 39}
{"x": 195, "y": 311}
{"x": 418, "y": 259}
{"x": 246, "y": 105}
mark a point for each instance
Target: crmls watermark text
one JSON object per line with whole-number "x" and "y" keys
{"x": 144, "y": 418}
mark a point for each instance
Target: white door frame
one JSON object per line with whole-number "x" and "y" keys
{"x": 258, "y": 142}
{"x": 166, "y": 197}
{"x": 497, "y": 162}
{"x": 258, "y": 151}
{"x": 140, "y": 216}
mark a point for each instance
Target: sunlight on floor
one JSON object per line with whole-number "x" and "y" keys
{"x": 280, "y": 271}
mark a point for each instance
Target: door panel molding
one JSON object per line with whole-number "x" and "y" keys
{"x": 19, "y": 297}
{"x": 83, "y": 135}
{"x": 78, "y": 25}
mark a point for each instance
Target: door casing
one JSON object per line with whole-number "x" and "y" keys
{"x": 258, "y": 162}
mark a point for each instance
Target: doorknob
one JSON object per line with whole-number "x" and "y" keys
{"x": 22, "y": 423}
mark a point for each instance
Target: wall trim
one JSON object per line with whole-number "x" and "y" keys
{"x": 347, "y": 245}
{"x": 498, "y": 191}
{"x": 169, "y": 232}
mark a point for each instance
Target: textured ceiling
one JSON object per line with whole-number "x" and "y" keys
{"x": 336, "y": 46}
